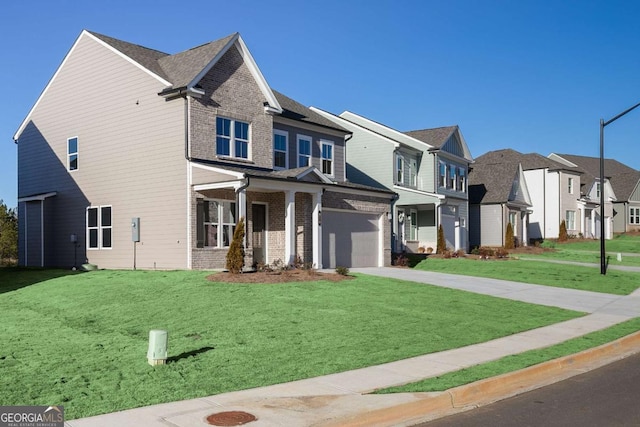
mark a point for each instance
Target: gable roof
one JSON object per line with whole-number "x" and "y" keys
{"x": 294, "y": 110}
{"x": 436, "y": 137}
{"x": 177, "y": 72}
{"x": 623, "y": 178}
{"x": 491, "y": 183}
{"x": 529, "y": 161}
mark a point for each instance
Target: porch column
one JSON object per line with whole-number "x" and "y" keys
{"x": 457, "y": 235}
{"x": 289, "y": 226}
{"x": 593, "y": 223}
{"x": 316, "y": 224}
{"x": 525, "y": 226}
{"x": 242, "y": 212}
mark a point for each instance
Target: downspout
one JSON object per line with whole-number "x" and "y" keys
{"x": 246, "y": 222}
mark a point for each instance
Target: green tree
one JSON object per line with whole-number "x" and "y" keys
{"x": 235, "y": 256}
{"x": 8, "y": 233}
{"x": 441, "y": 243}
{"x": 509, "y": 242}
{"x": 563, "y": 236}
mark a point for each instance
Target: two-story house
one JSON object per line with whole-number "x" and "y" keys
{"x": 426, "y": 168}
{"x": 621, "y": 191}
{"x": 134, "y": 157}
{"x": 554, "y": 191}
{"x": 498, "y": 196}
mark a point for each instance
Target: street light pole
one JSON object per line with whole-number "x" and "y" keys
{"x": 603, "y": 264}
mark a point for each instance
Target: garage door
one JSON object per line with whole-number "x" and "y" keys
{"x": 449, "y": 229}
{"x": 350, "y": 239}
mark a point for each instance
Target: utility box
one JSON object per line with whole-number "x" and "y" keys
{"x": 135, "y": 229}
{"x": 157, "y": 353}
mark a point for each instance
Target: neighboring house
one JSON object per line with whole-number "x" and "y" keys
{"x": 498, "y": 196}
{"x": 426, "y": 168}
{"x": 622, "y": 191}
{"x": 554, "y": 192}
{"x": 133, "y": 157}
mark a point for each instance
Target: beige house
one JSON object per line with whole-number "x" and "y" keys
{"x": 134, "y": 157}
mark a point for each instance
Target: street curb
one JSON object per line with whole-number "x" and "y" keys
{"x": 431, "y": 406}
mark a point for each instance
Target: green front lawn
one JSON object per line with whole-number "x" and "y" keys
{"x": 538, "y": 272}
{"x": 564, "y": 253}
{"x": 80, "y": 340}
{"x": 628, "y": 243}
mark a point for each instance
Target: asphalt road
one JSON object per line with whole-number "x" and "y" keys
{"x": 608, "y": 396}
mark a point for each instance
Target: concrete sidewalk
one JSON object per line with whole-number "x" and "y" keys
{"x": 340, "y": 399}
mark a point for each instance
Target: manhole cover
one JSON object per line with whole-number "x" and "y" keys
{"x": 230, "y": 418}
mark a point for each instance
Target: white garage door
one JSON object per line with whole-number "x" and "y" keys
{"x": 350, "y": 239}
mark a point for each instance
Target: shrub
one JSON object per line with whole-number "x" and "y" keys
{"x": 401, "y": 261}
{"x": 508, "y": 237}
{"x": 563, "y": 236}
{"x": 485, "y": 252}
{"x": 441, "y": 245}
{"x": 447, "y": 254}
{"x": 235, "y": 255}
{"x": 475, "y": 250}
{"x": 343, "y": 271}
{"x": 459, "y": 254}
{"x": 502, "y": 253}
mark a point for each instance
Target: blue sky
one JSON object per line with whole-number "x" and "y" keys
{"x": 535, "y": 76}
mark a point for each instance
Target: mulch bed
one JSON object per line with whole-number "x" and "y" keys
{"x": 277, "y": 277}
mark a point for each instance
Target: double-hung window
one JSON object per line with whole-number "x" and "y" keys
{"x": 232, "y": 138}
{"x": 451, "y": 174}
{"x": 327, "y": 157}
{"x": 442, "y": 176}
{"x": 99, "y": 227}
{"x": 72, "y": 153}
{"x": 216, "y": 223}
{"x": 462, "y": 182}
{"x": 304, "y": 151}
{"x": 570, "y": 185}
{"x": 598, "y": 189}
{"x": 570, "y": 220}
{"x": 280, "y": 143}
{"x": 413, "y": 173}
{"x": 399, "y": 169}
{"x": 634, "y": 216}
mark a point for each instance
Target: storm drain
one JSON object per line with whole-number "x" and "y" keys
{"x": 230, "y": 418}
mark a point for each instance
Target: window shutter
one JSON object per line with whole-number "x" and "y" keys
{"x": 200, "y": 224}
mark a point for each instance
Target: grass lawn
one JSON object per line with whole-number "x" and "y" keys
{"x": 538, "y": 272}
{"x": 564, "y": 253}
{"x": 518, "y": 361}
{"x": 80, "y": 340}
{"x": 629, "y": 243}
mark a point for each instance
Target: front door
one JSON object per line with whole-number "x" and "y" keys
{"x": 259, "y": 215}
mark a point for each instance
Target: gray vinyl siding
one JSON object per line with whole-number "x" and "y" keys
{"x": 317, "y": 137}
{"x": 131, "y": 157}
{"x": 369, "y": 159}
{"x": 635, "y": 195}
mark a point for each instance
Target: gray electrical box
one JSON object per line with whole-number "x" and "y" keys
{"x": 135, "y": 229}
{"x": 157, "y": 353}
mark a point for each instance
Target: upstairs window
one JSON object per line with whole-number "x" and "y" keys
{"x": 462, "y": 181}
{"x": 442, "y": 176}
{"x": 99, "y": 227}
{"x": 598, "y": 190}
{"x": 72, "y": 153}
{"x": 304, "y": 151}
{"x": 413, "y": 173}
{"x": 280, "y": 143}
{"x": 399, "y": 169}
{"x": 451, "y": 175}
{"x": 570, "y": 186}
{"x": 232, "y": 138}
{"x": 327, "y": 158}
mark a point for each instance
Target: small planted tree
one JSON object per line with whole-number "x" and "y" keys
{"x": 508, "y": 237}
{"x": 441, "y": 243}
{"x": 235, "y": 256}
{"x": 563, "y": 236}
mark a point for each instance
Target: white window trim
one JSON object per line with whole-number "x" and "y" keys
{"x": 286, "y": 149}
{"x": 77, "y": 154}
{"x": 99, "y": 227}
{"x": 324, "y": 142}
{"x": 221, "y": 224}
{"x": 634, "y": 213}
{"x": 399, "y": 171}
{"x": 413, "y": 173}
{"x": 570, "y": 224}
{"x": 310, "y": 155}
{"x": 442, "y": 179}
{"x": 233, "y": 139}
{"x": 570, "y": 185}
{"x": 462, "y": 179}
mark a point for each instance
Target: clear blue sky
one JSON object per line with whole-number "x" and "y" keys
{"x": 535, "y": 76}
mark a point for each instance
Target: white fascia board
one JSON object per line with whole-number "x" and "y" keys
{"x": 217, "y": 185}
{"x": 523, "y": 185}
{"x": 317, "y": 173}
{"x": 84, "y": 33}
{"x": 559, "y": 159}
{"x": 413, "y": 190}
{"x": 467, "y": 152}
{"x": 351, "y": 125}
{"x": 37, "y": 197}
{"x": 213, "y": 62}
{"x": 238, "y": 175}
{"x": 258, "y": 76}
{"x": 385, "y": 130}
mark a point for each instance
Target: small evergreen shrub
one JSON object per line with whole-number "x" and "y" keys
{"x": 235, "y": 255}
{"x": 508, "y": 237}
{"x": 343, "y": 271}
{"x": 502, "y": 253}
{"x": 563, "y": 236}
{"x": 441, "y": 245}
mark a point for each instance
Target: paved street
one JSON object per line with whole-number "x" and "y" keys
{"x": 604, "y": 397}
